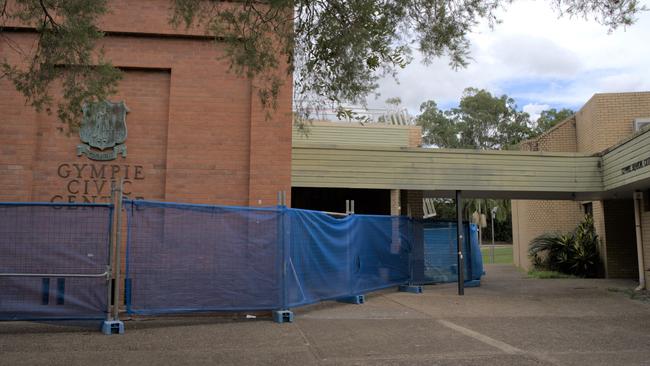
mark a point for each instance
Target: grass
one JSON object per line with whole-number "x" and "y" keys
{"x": 502, "y": 255}
{"x": 547, "y": 274}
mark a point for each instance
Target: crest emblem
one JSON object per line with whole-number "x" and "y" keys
{"x": 103, "y": 128}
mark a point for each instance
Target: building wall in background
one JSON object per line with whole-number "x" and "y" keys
{"x": 196, "y": 132}
{"x": 604, "y": 121}
{"x": 531, "y": 218}
{"x": 357, "y": 134}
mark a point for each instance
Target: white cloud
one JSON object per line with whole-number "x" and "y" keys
{"x": 535, "y": 110}
{"x": 536, "y": 58}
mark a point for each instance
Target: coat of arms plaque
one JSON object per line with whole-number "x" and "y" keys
{"x": 103, "y": 130}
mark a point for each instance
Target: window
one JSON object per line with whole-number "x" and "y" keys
{"x": 640, "y": 123}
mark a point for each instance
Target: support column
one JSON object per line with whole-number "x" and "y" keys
{"x": 638, "y": 197}
{"x": 459, "y": 238}
{"x": 395, "y": 204}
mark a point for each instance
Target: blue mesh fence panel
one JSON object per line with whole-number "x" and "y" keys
{"x": 185, "y": 258}
{"x": 53, "y": 239}
{"x": 440, "y": 253}
{"x": 383, "y": 247}
{"x": 476, "y": 258}
{"x": 331, "y": 258}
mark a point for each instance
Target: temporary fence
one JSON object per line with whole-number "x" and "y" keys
{"x": 183, "y": 258}
{"x": 329, "y": 258}
{"x": 54, "y": 261}
{"x": 186, "y": 258}
{"x": 441, "y": 251}
{"x": 57, "y": 260}
{"x": 190, "y": 258}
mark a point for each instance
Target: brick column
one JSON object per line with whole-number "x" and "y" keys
{"x": 270, "y": 148}
{"x": 395, "y": 204}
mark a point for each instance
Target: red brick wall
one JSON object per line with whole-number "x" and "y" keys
{"x": 196, "y": 132}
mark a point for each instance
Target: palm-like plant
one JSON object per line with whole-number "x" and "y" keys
{"x": 574, "y": 253}
{"x": 586, "y": 259}
{"x": 551, "y": 251}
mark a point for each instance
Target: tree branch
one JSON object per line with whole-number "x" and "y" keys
{"x": 47, "y": 15}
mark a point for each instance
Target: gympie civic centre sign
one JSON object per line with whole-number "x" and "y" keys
{"x": 91, "y": 182}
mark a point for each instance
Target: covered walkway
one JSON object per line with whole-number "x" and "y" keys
{"x": 385, "y": 159}
{"x": 478, "y": 173}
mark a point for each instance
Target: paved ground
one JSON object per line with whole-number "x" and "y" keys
{"x": 510, "y": 320}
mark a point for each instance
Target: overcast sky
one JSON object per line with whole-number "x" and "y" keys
{"x": 540, "y": 60}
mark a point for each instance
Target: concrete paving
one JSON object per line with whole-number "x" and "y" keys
{"x": 509, "y": 320}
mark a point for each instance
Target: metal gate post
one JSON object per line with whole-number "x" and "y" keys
{"x": 111, "y": 254}
{"x": 284, "y": 315}
{"x": 459, "y": 238}
{"x": 115, "y": 326}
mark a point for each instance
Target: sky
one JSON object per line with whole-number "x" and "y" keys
{"x": 536, "y": 57}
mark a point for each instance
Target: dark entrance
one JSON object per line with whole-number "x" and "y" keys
{"x": 366, "y": 201}
{"x": 620, "y": 240}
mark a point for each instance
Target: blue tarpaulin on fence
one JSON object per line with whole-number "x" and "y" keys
{"x": 185, "y": 258}
{"x": 440, "y": 253}
{"x": 189, "y": 258}
{"x": 48, "y": 242}
{"x": 332, "y": 257}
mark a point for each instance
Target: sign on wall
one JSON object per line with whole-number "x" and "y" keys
{"x": 103, "y": 130}
{"x": 635, "y": 166}
{"x": 103, "y": 133}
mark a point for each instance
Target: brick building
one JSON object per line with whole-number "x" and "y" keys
{"x": 602, "y": 124}
{"x": 596, "y": 161}
{"x": 196, "y": 132}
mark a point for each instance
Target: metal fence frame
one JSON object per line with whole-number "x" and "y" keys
{"x": 111, "y": 273}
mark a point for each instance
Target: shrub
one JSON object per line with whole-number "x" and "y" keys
{"x": 574, "y": 253}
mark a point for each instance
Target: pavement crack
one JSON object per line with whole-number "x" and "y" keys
{"x": 312, "y": 350}
{"x": 504, "y": 347}
{"x": 407, "y": 306}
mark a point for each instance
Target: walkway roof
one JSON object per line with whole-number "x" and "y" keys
{"x": 478, "y": 173}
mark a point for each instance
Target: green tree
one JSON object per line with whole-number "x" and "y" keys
{"x": 438, "y": 127}
{"x": 335, "y": 49}
{"x": 489, "y": 122}
{"x": 481, "y": 121}
{"x": 550, "y": 118}
{"x": 65, "y": 52}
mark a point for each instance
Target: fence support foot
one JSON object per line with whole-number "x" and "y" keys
{"x": 283, "y": 316}
{"x": 473, "y": 283}
{"x": 357, "y": 299}
{"x": 411, "y": 288}
{"x": 112, "y": 327}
